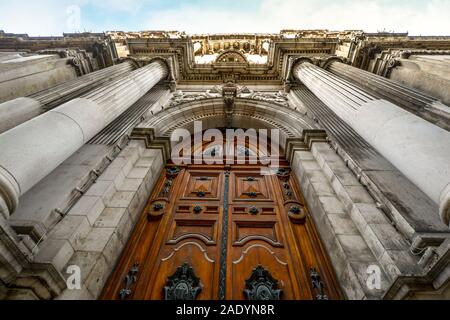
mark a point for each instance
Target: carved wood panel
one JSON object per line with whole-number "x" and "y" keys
{"x": 214, "y": 232}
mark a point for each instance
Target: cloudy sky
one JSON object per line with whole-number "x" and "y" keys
{"x": 53, "y": 17}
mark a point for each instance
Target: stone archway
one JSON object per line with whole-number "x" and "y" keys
{"x": 204, "y": 219}
{"x": 247, "y": 113}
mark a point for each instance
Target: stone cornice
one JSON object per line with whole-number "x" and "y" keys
{"x": 153, "y": 142}
{"x": 304, "y": 143}
{"x": 181, "y": 51}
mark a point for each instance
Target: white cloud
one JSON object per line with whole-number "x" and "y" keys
{"x": 125, "y": 6}
{"x": 274, "y": 15}
{"x": 31, "y": 17}
{"x": 49, "y": 17}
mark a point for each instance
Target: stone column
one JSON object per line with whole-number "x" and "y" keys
{"x": 419, "y": 103}
{"x": 31, "y": 151}
{"x": 419, "y": 149}
{"x": 20, "y": 110}
{"x": 426, "y": 72}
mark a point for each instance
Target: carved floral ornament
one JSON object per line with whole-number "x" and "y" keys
{"x": 181, "y": 97}
{"x": 157, "y": 207}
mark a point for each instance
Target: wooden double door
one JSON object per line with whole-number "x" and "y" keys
{"x": 224, "y": 232}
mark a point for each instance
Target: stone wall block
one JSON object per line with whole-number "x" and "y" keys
{"x": 322, "y": 188}
{"x": 123, "y": 163}
{"x": 56, "y": 252}
{"x": 146, "y": 162}
{"x": 114, "y": 174}
{"x": 110, "y": 218}
{"x": 151, "y": 153}
{"x": 98, "y": 277}
{"x": 85, "y": 261}
{"x": 113, "y": 249}
{"x": 89, "y": 206}
{"x": 96, "y": 240}
{"x": 131, "y": 153}
{"x": 342, "y": 224}
{"x": 71, "y": 228}
{"x": 138, "y": 173}
{"x": 121, "y": 199}
{"x": 361, "y": 273}
{"x": 331, "y": 205}
{"x": 135, "y": 208}
{"x": 125, "y": 228}
{"x": 130, "y": 185}
{"x": 102, "y": 188}
{"x": 351, "y": 285}
{"x": 76, "y": 295}
{"x": 389, "y": 237}
{"x": 355, "y": 248}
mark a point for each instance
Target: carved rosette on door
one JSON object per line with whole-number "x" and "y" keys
{"x": 158, "y": 206}
{"x": 293, "y": 207}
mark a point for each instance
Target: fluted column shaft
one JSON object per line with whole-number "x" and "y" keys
{"x": 419, "y": 103}
{"x": 20, "y": 110}
{"x": 415, "y": 146}
{"x": 31, "y": 151}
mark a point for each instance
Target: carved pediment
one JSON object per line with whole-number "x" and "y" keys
{"x": 232, "y": 57}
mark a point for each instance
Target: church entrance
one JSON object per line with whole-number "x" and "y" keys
{"x": 224, "y": 232}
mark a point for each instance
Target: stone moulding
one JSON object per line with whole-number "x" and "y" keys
{"x": 304, "y": 143}
{"x": 434, "y": 277}
{"x": 153, "y": 142}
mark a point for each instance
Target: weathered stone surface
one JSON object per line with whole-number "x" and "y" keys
{"x": 342, "y": 224}
{"x": 121, "y": 200}
{"x": 130, "y": 185}
{"x": 331, "y": 205}
{"x": 110, "y": 218}
{"x": 85, "y": 261}
{"x": 113, "y": 249}
{"x": 376, "y": 241}
{"x": 98, "y": 276}
{"x": 89, "y": 206}
{"x": 76, "y": 295}
{"x": 96, "y": 240}
{"x": 138, "y": 173}
{"x": 103, "y": 189}
{"x": 101, "y": 222}
{"x": 56, "y": 252}
{"x": 125, "y": 227}
{"x": 348, "y": 250}
{"x": 72, "y": 228}
{"x": 114, "y": 174}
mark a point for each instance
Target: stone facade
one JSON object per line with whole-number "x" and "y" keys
{"x": 85, "y": 135}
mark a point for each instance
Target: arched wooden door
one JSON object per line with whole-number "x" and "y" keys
{"x": 212, "y": 232}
